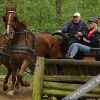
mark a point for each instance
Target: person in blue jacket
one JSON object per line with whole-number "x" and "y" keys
{"x": 76, "y": 28}
{"x": 91, "y": 39}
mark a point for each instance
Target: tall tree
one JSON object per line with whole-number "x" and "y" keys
{"x": 58, "y": 11}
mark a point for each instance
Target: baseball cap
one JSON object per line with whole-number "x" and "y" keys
{"x": 92, "y": 20}
{"x": 77, "y": 14}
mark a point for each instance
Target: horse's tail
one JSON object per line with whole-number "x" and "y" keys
{"x": 64, "y": 42}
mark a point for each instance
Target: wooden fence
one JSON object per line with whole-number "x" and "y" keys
{"x": 60, "y": 86}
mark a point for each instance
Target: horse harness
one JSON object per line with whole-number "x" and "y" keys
{"x": 21, "y": 48}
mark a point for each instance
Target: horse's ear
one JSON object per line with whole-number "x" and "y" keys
{"x": 4, "y": 19}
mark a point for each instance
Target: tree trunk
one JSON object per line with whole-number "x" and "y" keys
{"x": 58, "y": 11}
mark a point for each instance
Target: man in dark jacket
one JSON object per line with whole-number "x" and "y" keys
{"x": 76, "y": 28}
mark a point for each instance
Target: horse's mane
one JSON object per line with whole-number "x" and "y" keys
{"x": 44, "y": 33}
{"x": 22, "y": 24}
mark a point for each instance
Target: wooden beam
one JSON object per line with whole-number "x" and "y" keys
{"x": 70, "y": 79}
{"x": 52, "y": 98}
{"x": 67, "y": 87}
{"x": 62, "y": 93}
{"x": 73, "y": 62}
{"x": 38, "y": 78}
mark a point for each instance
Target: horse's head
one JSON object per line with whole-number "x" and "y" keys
{"x": 10, "y": 19}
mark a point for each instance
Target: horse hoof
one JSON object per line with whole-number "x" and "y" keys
{"x": 5, "y": 88}
{"x": 17, "y": 86}
{"x": 11, "y": 93}
{"x": 25, "y": 83}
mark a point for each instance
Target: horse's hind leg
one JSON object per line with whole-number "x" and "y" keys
{"x": 5, "y": 86}
{"x": 21, "y": 72}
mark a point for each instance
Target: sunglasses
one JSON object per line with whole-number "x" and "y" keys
{"x": 75, "y": 16}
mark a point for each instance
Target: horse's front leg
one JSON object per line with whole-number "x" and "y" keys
{"x": 5, "y": 86}
{"x": 14, "y": 71}
{"x": 24, "y": 66}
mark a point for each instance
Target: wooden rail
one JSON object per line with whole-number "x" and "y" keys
{"x": 73, "y": 62}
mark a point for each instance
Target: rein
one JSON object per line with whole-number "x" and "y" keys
{"x": 5, "y": 43}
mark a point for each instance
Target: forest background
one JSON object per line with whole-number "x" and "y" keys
{"x": 50, "y": 15}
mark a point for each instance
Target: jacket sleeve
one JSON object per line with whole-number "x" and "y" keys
{"x": 66, "y": 28}
{"x": 95, "y": 41}
{"x": 84, "y": 29}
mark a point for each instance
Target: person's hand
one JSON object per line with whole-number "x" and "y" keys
{"x": 85, "y": 40}
{"x": 79, "y": 34}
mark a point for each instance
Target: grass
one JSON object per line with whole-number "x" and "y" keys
{"x": 3, "y": 70}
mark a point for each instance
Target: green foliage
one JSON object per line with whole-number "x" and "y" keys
{"x": 41, "y": 14}
{"x": 3, "y": 70}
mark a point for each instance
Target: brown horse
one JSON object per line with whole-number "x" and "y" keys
{"x": 24, "y": 45}
{"x": 20, "y": 47}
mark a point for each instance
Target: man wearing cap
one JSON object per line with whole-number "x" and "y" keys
{"x": 76, "y": 28}
{"x": 91, "y": 39}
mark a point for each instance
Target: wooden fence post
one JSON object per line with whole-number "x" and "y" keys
{"x": 38, "y": 78}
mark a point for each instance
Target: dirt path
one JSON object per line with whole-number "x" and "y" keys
{"x": 22, "y": 94}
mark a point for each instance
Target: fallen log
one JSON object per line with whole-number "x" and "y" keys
{"x": 73, "y": 62}
{"x": 52, "y": 92}
{"x": 67, "y": 87}
{"x": 70, "y": 79}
